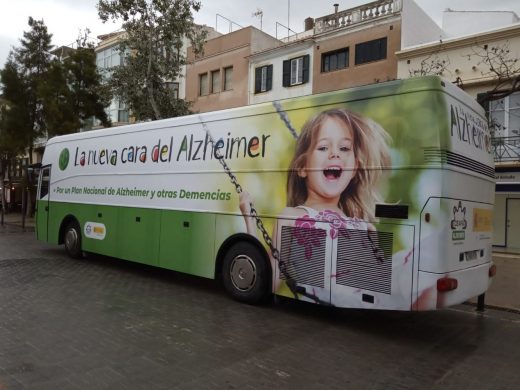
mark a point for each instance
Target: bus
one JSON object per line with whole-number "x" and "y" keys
{"x": 376, "y": 197}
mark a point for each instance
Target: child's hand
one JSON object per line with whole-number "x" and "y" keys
{"x": 245, "y": 203}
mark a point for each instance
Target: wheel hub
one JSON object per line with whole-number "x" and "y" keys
{"x": 243, "y": 273}
{"x": 71, "y": 238}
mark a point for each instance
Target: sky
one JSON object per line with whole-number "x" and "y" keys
{"x": 66, "y": 18}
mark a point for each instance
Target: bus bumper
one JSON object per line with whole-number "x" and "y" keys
{"x": 470, "y": 282}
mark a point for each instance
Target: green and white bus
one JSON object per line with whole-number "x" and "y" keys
{"x": 378, "y": 196}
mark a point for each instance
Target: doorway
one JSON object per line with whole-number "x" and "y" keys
{"x": 513, "y": 223}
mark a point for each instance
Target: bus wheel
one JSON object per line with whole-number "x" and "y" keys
{"x": 245, "y": 273}
{"x": 72, "y": 240}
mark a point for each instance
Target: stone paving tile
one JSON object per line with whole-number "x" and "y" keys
{"x": 99, "y": 323}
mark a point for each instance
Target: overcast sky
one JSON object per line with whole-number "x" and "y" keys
{"x": 65, "y": 18}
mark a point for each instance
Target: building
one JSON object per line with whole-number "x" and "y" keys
{"x": 479, "y": 51}
{"x": 375, "y": 42}
{"x": 218, "y": 78}
{"x": 107, "y": 56}
{"x": 343, "y": 49}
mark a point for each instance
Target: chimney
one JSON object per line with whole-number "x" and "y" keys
{"x": 336, "y": 8}
{"x": 309, "y": 23}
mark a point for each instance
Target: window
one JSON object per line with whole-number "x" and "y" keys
{"x": 504, "y": 115}
{"x": 371, "y": 51}
{"x": 174, "y": 88}
{"x": 122, "y": 113}
{"x": 203, "y": 84}
{"x": 108, "y": 58}
{"x": 215, "y": 81}
{"x": 263, "y": 78}
{"x": 117, "y": 112}
{"x": 228, "y": 78}
{"x": 296, "y": 71}
{"x": 334, "y": 60}
{"x": 44, "y": 184}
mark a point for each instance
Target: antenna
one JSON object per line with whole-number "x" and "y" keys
{"x": 258, "y": 13}
{"x": 288, "y": 17}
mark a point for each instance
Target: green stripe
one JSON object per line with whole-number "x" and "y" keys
{"x": 177, "y": 240}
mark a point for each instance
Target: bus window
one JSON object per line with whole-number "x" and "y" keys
{"x": 43, "y": 188}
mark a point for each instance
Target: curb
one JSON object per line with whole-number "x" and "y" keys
{"x": 495, "y": 307}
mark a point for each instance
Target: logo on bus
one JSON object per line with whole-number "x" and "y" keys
{"x": 459, "y": 217}
{"x": 459, "y": 223}
{"x": 64, "y": 159}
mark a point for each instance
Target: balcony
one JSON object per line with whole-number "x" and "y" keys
{"x": 506, "y": 150}
{"x": 357, "y": 15}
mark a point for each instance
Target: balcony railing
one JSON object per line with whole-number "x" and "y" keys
{"x": 353, "y": 16}
{"x": 506, "y": 149}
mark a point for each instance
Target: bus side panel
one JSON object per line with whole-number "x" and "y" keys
{"x": 95, "y": 216}
{"x": 138, "y": 234}
{"x": 42, "y": 210}
{"x": 187, "y": 242}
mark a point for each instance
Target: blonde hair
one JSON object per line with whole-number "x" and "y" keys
{"x": 371, "y": 153}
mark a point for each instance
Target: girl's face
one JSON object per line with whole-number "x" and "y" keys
{"x": 331, "y": 164}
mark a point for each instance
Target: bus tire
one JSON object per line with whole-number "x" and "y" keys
{"x": 245, "y": 273}
{"x": 72, "y": 240}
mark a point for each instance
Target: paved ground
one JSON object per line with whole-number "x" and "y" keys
{"x": 99, "y": 323}
{"x": 504, "y": 292}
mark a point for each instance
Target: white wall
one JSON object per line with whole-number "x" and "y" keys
{"x": 499, "y": 220}
{"x": 417, "y": 27}
{"x": 455, "y": 52}
{"x": 460, "y": 23}
{"x": 276, "y": 58}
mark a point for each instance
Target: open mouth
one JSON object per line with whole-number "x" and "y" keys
{"x": 332, "y": 172}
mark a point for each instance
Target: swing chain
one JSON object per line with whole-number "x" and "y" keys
{"x": 291, "y": 283}
{"x": 285, "y": 118}
{"x": 267, "y": 238}
{"x": 232, "y": 177}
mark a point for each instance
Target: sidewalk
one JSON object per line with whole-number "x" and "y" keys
{"x": 14, "y": 219}
{"x": 503, "y": 293}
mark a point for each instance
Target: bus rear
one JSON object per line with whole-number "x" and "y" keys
{"x": 433, "y": 222}
{"x": 455, "y": 245}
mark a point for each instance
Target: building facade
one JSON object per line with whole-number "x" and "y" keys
{"x": 478, "y": 51}
{"x": 218, "y": 78}
{"x": 343, "y": 49}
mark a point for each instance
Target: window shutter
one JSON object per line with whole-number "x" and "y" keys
{"x": 258, "y": 79}
{"x": 483, "y": 100}
{"x": 286, "y": 73}
{"x": 269, "y": 77}
{"x": 305, "y": 75}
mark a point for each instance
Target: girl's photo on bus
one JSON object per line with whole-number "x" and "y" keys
{"x": 331, "y": 190}
{"x": 338, "y": 161}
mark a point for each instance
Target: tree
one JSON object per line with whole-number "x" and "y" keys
{"x": 500, "y": 70}
{"x": 13, "y": 116}
{"x": 499, "y": 65}
{"x": 33, "y": 59}
{"x": 44, "y": 96}
{"x": 433, "y": 64}
{"x": 155, "y": 31}
{"x": 73, "y": 91}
